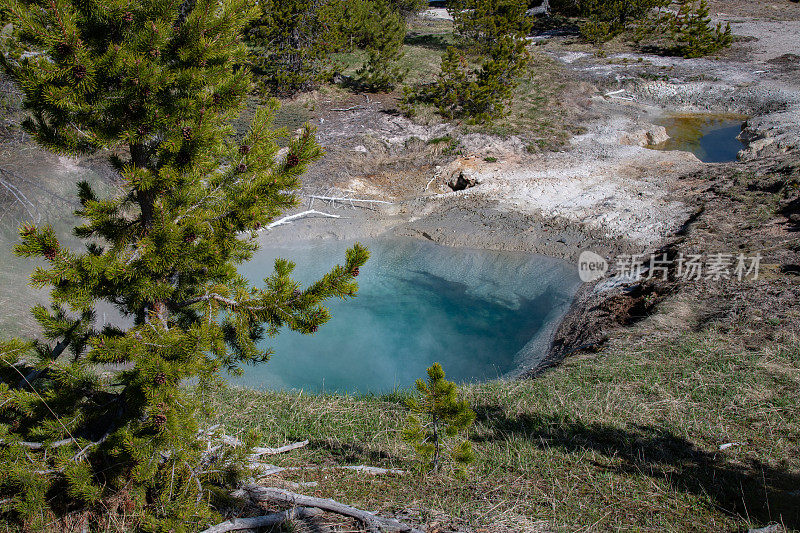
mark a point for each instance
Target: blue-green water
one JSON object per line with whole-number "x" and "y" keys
{"x": 481, "y": 314}
{"x": 711, "y": 137}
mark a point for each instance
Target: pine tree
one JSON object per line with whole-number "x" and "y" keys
{"x": 438, "y": 420}
{"x": 385, "y": 32}
{"x": 693, "y": 33}
{"x": 453, "y": 86}
{"x": 482, "y": 22}
{"x": 98, "y": 418}
{"x": 373, "y": 26}
{"x": 408, "y": 8}
{"x": 496, "y": 30}
{"x": 292, "y": 42}
{"x": 479, "y": 94}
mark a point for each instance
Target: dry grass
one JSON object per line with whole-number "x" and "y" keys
{"x": 625, "y": 440}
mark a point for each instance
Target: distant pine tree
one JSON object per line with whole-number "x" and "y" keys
{"x": 383, "y": 33}
{"x": 495, "y": 30}
{"x": 439, "y": 421}
{"x": 482, "y": 22}
{"x": 378, "y": 28}
{"x": 292, "y": 41}
{"x": 694, "y": 33}
{"x": 97, "y": 419}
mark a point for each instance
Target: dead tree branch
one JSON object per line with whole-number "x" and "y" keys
{"x": 235, "y": 524}
{"x": 257, "y": 452}
{"x": 373, "y": 522}
{"x": 290, "y": 218}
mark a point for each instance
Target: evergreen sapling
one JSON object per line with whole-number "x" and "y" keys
{"x": 439, "y": 422}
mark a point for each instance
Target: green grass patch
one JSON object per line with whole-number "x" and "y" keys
{"x": 625, "y": 440}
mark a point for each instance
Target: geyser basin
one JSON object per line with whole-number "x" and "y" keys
{"x": 481, "y": 314}
{"x": 711, "y": 137}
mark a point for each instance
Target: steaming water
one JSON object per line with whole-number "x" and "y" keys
{"x": 481, "y": 314}
{"x": 711, "y": 137}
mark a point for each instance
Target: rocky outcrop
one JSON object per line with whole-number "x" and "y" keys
{"x": 771, "y": 134}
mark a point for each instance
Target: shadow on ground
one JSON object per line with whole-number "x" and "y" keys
{"x": 758, "y": 491}
{"x": 349, "y": 453}
{"x": 427, "y": 40}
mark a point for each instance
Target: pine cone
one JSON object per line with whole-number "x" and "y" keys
{"x": 355, "y": 271}
{"x": 50, "y": 252}
{"x": 292, "y": 161}
{"x": 241, "y": 168}
{"x": 63, "y": 48}
{"x": 187, "y": 133}
{"x": 314, "y": 329}
{"x": 244, "y": 149}
{"x": 160, "y": 378}
{"x": 79, "y": 72}
{"x": 159, "y": 419}
{"x": 190, "y": 237}
{"x": 128, "y": 17}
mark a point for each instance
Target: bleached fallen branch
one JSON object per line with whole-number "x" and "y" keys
{"x": 281, "y": 449}
{"x": 372, "y": 470}
{"x": 373, "y": 522}
{"x": 235, "y": 524}
{"x": 290, "y": 218}
{"x": 349, "y": 108}
{"x": 268, "y": 469}
{"x": 258, "y": 451}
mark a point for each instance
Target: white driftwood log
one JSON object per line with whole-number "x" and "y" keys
{"x": 372, "y": 470}
{"x": 373, "y": 522}
{"x": 290, "y": 218}
{"x": 264, "y": 469}
{"x": 235, "y": 524}
{"x": 281, "y": 449}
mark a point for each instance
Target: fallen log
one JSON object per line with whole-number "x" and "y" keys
{"x": 264, "y": 469}
{"x": 235, "y": 524}
{"x": 373, "y": 522}
{"x": 372, "y": 470}
{"x": 281, "y": 449}
{"x": 290, "y": 218}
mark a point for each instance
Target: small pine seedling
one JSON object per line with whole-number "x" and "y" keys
{"x": 439, "y": 421}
